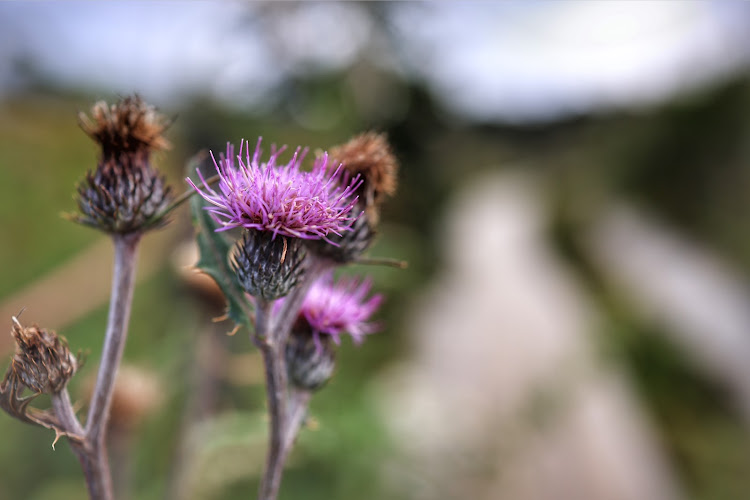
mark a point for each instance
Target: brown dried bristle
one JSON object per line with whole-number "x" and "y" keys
{"x": 370, "y": 156}
{"x": 42, "y": 360}
{"x": 130, "y": 125}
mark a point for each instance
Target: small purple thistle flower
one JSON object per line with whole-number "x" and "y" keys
{"x": 280, "y": 198}
{"x": 333, "y": 309}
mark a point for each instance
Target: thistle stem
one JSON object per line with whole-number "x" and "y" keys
{"x": 296, "y": 415}
{"x": 271, "y": 337}
{"x": 99, "y": 482}
{"x": 276, "y": 390}
{"x": 63, "y": 409}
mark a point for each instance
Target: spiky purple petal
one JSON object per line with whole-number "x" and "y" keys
{"x": 280, "y": 198}
{"x": 337, "y": 308}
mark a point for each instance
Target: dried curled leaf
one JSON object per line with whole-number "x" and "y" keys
{"x": 42, "y": 363}
{"x": 17, "y": 406}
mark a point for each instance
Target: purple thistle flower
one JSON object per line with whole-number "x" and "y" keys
{"x": 333, "y": 309}
{"x": 280, "y": 198}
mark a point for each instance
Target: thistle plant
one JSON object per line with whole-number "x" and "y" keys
{"x": 124, "y": 197}
{"x": 271, "y": 234}
{"x": 294, "y": 227}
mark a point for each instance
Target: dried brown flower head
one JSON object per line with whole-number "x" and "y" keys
{"x": 128, "y": 126}
{"x": 369, "y": 155}
{"x": 42, "y": 361}
{"x": 125, "y": 193}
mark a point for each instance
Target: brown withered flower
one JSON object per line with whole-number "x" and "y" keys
{"x": 369, "y": 157}
{"x": 42, "y": 361}
{"x": 124, "y": 193}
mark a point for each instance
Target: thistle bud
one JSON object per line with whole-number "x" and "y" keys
{"x": 310, "y": 358}
{"x": 125, "y": 192}
{"x": 268, "y": 266}
{"x": 369, "y": 158}
{"x": 42, "y": 361}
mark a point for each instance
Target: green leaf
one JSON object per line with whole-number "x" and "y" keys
{"x": 214, "y": 261}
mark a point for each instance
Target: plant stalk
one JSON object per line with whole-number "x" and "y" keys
{"x": 99, "y": 478}
{"x": 276, "y": 390}
{"x": 296, "y": 415}
{"x": 63, "y": 409}
{"x": 271, "y": 334}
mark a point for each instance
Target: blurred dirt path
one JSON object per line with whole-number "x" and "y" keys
{"x": 77, "y": 286}
{"x": 505, "y": 394}
{"x": 699, "y": 300}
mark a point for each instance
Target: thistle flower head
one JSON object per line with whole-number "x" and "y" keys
{"x": 343, "y": 307}
{"x": 42, "y": 361}
{"x": 310, "y": 360}
{"x": 125, "y": 192}
{"x": 128, "y": 126}
{"x": 268, "y": 267}
{"x": 369, "y": 155}
{"x": 281, "y": 199}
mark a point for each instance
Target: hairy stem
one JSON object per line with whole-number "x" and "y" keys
{"x": 276, "y": 389}
{"x": 123, "y": 280}
{"x": 63, "y": 409}
{"x": 271, "y": 335}
{"x": 296, "y": 415}
{"x": 66, "y": 415}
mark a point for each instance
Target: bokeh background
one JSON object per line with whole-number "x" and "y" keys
{"x": 575, "y": 183}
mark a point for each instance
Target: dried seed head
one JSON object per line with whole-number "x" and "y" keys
{"x": 42, "y": 361}
{"x": 369, "y": 156}
{"x": 266, "y": 266}
{"x": 124, "y": 193}
{"x": 310, "y": 359}
{"x": 129, "y": 126}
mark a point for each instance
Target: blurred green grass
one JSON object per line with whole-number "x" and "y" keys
{"x": 42, "y": 156}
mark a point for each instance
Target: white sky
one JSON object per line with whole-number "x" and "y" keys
{"x": 491, "y": 60}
